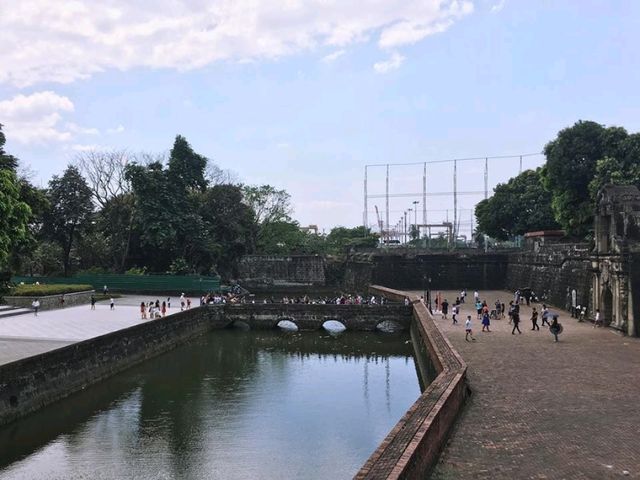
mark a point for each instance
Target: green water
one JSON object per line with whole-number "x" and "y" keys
{"x": 228, "y": 405}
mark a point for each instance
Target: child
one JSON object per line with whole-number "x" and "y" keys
{"x": 485, "y": 322}
{"x": 467, "y": 327}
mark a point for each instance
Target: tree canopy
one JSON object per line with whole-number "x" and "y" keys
{"x": 14, "y": 213}
{"x": 516, "y": 207}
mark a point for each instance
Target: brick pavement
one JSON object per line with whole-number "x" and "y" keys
{"x": 545, "y": 410}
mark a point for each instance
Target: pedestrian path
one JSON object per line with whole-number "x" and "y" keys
{"x": 26, "y": 335}
{"x": 544, "y": 410}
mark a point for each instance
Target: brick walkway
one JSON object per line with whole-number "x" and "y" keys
{"x": 545, "y": 410}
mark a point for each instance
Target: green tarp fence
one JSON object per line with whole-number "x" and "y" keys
{"x": 134, "y": 283}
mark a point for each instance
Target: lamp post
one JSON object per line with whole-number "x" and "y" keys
{"x": 415, "y": 219}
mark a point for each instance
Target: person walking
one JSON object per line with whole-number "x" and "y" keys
{"x": 188, "y": 303}
{"x": 182, "y": 302}
{"x": 168, "y": 303}
{"x": 112, "y": 304}
{"x": 454, "y": 312}
{"x": 105, "y": 290}
{"x": 445, "y": 308}
{"x": 93, "y": 302}
{"x": 486, "y": 322}
{"x": 516, "y": 323}
{"x": 36, "y": 306}
{"x": 598, "y": 319}
{"x": 468, "y": 330}
{"x": 545, "y": 315}
{"x": 555, "y": 328}
{"x": 164, "y": 308}
{"x": 478, "y": 309}
{"x": 143, "y": 311}
{"x": 534, "y": 319}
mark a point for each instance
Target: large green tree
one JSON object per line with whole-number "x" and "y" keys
{"x": 572, "y": 159}
{"x": 14, "y": 213}
{"x": 518, "y": 206}
{"x": 621, "y": 167}
{"x": 70, "y": 212}
{"x": 341, "y": 239}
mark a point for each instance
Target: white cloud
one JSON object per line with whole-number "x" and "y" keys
{"x": 36, "y": 118}
{"x": 498, "y": 6}
{"x": 391, "y": 64}
{"x": 79, "y": 130}
{"x": 113, "y": 131}
{"x": 80, "y": 147}
{"x": 333, "y": 56}
{"x": 68, "y": 40}
{"x": 39, "y": 118}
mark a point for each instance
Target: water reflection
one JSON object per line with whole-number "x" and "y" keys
{"x": 230, "y": 404}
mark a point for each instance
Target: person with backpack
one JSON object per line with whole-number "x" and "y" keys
{"x": 555, "y": 328}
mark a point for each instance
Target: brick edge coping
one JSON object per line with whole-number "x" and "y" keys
{"x": 412, "y": 447}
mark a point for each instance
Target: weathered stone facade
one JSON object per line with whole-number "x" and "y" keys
{"x": 276, "y": 271}
{"x": 616, "y": 256}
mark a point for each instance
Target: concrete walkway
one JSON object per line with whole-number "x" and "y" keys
{"x": 26, "y": 335}
{"x": 544, "y": 410}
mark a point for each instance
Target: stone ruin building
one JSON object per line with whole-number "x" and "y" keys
{"x": 615, "y": 259}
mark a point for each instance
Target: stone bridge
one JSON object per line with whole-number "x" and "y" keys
{"x": 314, "y": 316}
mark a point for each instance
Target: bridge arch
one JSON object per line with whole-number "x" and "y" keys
{"x": 333, "y": 325}
{"x": 239, "y": 325}
{"x": 389, "y": 326}
{"x": 287, "y": 324}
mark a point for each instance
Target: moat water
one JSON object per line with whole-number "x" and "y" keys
{"x": 229, "y": 405}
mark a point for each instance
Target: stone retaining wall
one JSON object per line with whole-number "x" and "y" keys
{"x": 50, "y": 302}
{"x": 31, "y": 383}
{"x": 413, "y": 445}
{"x": 269, "y": 271}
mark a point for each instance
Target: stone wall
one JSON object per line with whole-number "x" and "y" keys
{"x": 274, "y": 271}
{"x": 51, "y": 301}
{"x": 554, "y": 269}
{"x": 414, "y": 444}
{"x": 31, "y": 383}
{"x": 448, "y": 271}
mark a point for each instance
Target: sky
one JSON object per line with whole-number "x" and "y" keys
{"x": 303, "y": 94}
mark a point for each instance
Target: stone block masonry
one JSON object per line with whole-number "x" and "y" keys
{"x": 269, "y": 271}
{"x": 31, "y": 383}
{"x": 50, "y": 302}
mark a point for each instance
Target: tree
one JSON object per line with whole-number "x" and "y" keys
{"x": 621, "y": 169}
{"x": 341, "y": 239}
{"x": 105, "y": 173}
{"x": 70, "y": 210}
{"x": 280, "y": 238}
{"x": 571, "y": 165}
{"x": 14, "y": 213}
{"x": 518, "y": 206}
{"x": 186, "y": 167}
{"x": 229, "y": 226}
{"x": 268, "y": 203}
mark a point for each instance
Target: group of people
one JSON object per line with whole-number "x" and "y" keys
{"x": 484, "y": 314}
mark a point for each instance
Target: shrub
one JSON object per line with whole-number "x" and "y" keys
{"x": 44, "y": 290}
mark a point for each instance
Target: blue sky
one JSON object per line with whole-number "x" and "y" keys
{"x": 303, "y": 97}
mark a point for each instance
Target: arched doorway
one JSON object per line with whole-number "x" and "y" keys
{"x": 607, "y": 305}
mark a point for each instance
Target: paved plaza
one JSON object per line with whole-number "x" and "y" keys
{"x": 544, "y": 410}
{"x": 26, "y": 335}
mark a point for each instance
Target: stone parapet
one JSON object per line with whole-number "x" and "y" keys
{"x": 51, "y": 302}
{"x": 412, "y": 447}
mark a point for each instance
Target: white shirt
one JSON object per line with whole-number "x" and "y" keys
{"x": 467, "y": 324}
{"x": 597, "y": 316}
{"x": 35, "y": 304}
